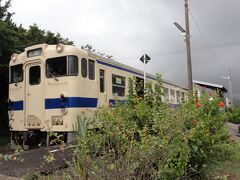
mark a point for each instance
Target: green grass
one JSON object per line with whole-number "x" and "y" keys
{"x": 229, "y": 169}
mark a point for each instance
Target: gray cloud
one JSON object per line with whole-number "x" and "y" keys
{"x": 127, "y": 29}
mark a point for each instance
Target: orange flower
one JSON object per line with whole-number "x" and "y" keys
{"x": 221, "y": 104}
{"x": 198, "y": 105}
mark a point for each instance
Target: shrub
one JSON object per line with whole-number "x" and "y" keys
{"x": 207, "y": 136}
{"x": 145, "y": 139}
{"x": 234, "y": 115}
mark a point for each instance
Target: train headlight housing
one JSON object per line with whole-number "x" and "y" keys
{"x": 57, "y": 120}
{"x": 60, "y": 48}
{"x": 14, "y": 57}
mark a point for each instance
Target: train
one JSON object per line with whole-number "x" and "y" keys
{"x": 50, "y": 85}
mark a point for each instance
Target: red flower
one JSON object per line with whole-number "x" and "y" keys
{"x": 194, "y": 123}
{"x": 198, "y": 105}
{"x": 221, "y": 104}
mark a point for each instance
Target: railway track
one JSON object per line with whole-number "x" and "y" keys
{"x": 33, "y": 161}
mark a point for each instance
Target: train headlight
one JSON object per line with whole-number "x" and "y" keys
{"x": 60, "y": 48}
{"x": 14, "y": 57}
{"x": 57, "y": 120}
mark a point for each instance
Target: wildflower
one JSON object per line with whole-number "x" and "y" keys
{"x": 210, "y": 94}
{"x": 221, "y": 104}
{"x": 194, "y": 123}
{"x": 198, "y": 105}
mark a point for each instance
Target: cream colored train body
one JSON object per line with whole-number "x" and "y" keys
{"x": 51, "y": 84}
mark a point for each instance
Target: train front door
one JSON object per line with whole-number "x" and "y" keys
{"x": 34, "y": 99}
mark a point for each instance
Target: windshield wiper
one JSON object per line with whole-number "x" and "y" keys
{"x": 17, "y": 80}
{"x": 51, "y": 74}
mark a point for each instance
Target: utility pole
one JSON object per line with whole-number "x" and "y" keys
{"x": 230, "y": 87}
{"x": 186, "y": 32}
{"x": 189, "y": 63}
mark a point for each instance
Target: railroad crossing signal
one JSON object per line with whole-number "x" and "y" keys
{"x": 145, "y": 59}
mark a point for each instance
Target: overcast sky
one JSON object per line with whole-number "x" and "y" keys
{"x": 128, "y": 28}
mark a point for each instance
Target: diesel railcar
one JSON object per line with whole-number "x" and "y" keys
{"x": 49, "y": 85}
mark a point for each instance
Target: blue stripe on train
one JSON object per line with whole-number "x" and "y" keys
{"x": 114, "y": 102}
{"x": 16, "y": 106}
{"x": 71, "y": 102}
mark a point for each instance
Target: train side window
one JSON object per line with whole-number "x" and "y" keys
{"x": 84, "y": 67}
{"x": 139, "y": 87}
{"x": 182, "y": 96}
{"x": 91, "y": 69}
{"x": 185, "y": 96}
{"x": 166, "y": 94}
{"x": 102, "y": 80}
{"x": 172, "y": 93}
{"x": 118, "y": 85}
{"x": 178, "y": 97}
{"x": 16, "y": 73}
{"x": 34, "y": 75}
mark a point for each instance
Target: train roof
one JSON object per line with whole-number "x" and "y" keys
{"x": 50, "y": 48}
{"x": 211, "y": 85}
{"x": 137, "y": 71}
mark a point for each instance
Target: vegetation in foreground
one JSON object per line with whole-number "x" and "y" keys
{"x": 228, "y": 169}
{"x": 145, "y": 139}
{"x": 234, "y": 115}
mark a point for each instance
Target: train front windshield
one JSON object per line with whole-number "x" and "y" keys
{"x": 62, "y": 66}
{"x": 16, "y": 74}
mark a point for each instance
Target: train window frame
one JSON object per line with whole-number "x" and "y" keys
{"x": 172, "y": 95}
{"x": 84, "y": 70}
{"x": 119, "y": 83}
{"x": 166, "y": 94}
{"x": 51, "y": 75}
{"x": 102, "y": 80}
{"x": 139, "y": 86}
{"x": 182, "y": 96}
{"x": 178, "y": 94}
{"x": 74, "y": 66}
{"x": 91, "y": 69}
{"x": 32, "y": 78}
{"x": 16, "y": 79}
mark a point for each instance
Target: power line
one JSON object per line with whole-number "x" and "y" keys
{"x": 169, "y": 53}
{"x": 205, "y": 39}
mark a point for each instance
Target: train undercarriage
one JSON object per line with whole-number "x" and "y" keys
{"x": 34, "y": 139}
